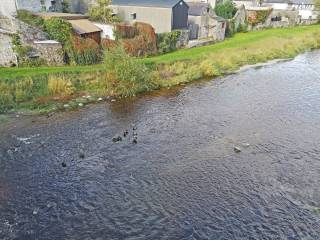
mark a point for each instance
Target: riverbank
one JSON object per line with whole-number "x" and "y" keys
{"x": 49, "y": 89}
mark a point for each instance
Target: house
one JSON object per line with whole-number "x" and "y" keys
{"x": 204, "y": 23}
{"x": 80, "y": 24}
{"x": 305, "y": 8}
{"x": 162, "y": 15}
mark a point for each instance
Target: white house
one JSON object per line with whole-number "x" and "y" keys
{"x": 305, "y": 8}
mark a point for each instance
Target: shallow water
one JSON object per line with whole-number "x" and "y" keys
{"x": 183, "y": 179}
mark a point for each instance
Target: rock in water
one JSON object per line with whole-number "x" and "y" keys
{"x": 63, "y": 164}
{"x": 81, "y": 155}
{"x": 237, "y": 149}
{"x": 135, "y": 141}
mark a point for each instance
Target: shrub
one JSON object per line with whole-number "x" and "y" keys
{"x": 145, "y": 43}
{"x": 167, "y": 42}
{"x": 258, "y": 16}
{"x": 129, "y": 75}
{"x": 83, "y": 51}
{"x": 60, "y": 86}
{"x": 226, "y": 9}
{"x": 30, "y": 19}
{"x": 124, "y": 31}
{"x": 58, "y": 29}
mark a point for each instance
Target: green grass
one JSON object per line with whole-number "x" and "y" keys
{"x": 47, "y": 88}
{"x": 240, "y": 39}
{"x": 11, "y": 73}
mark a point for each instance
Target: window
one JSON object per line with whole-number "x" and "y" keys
{"x": 133, "y": 16}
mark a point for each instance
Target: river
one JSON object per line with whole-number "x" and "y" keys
{"x": 63, "y": 177}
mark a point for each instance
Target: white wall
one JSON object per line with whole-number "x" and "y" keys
{"x": 7, "y": 8}
{"x": 107, "y": 30}
{"x": 307, "y": 14}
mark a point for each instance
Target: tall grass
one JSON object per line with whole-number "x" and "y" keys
{"x": 122, "y": 75}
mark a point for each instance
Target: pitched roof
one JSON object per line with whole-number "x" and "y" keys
{"x": 147, "y": 3}
{"x": 197, "y": 8}
{"x": 83, "y": 26}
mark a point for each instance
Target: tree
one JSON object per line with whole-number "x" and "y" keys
{"x": 65, "y": 6}
{"x": 101, "y": 12}
{"x": 226, "y": 10}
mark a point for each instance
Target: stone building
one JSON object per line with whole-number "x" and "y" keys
{"x": 204, "y": 23}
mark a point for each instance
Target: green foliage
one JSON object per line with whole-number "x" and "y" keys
{"x": 47, "y": 87}
{"x": 30, "y": 19}
{"x": 258, "y": 17}
{"x": 102, "y": 13}
{"x": 167, "y": 42}
{"x": 226, "y": 9}
{"x": 131, "y": 76}
{"x": 58, "y": 29}
{"x": 83, "y": 51}
{"x": 65, "y": 6}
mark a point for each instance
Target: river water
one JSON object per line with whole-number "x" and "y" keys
{"x": 63, "y": 177}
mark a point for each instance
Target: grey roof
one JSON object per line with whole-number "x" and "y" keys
{"x": 147, "y": 3}
{"x": 197, "y": 8}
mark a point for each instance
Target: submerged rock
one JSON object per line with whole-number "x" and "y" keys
{"x": 237, "y": 149}
{"x": 81, "y": 155}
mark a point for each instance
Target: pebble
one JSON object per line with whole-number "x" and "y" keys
{"x": 66, "y": 105}
{"x": 35, "y": 211}
{"x": 80, "y": 104}
{"x": 237, "y": 149}
{"x": 100, "y": 99}
{"x": 113, "y": 100}
{"x": 246, "y": 145}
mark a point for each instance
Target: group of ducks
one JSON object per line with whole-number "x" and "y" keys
{"x": 118, "y": 138}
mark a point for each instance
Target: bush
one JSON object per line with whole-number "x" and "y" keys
{"x": 145, "y": 43}
{"x": 167, "y": 42}
{"x": 226, "y": 10}
{"x": 30, "y": 19}
{"x": 58, "y": 29}
{"x": 124, "y": 31}
{"x": 129, "y": 75}
{"x": 83, "y": 51}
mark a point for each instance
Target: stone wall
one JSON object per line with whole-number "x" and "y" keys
{"x": 278, "y": 19}
{"x": 51, "y": 51}
{"x": 183, "y": 39}
{"x": 240, "y": 17}
{"x": 7, "y": 56}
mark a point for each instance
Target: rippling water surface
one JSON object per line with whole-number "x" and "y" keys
{"x": 183, "y": 179}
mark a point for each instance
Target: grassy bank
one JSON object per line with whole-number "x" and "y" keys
{"x": 49, "y": 88}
